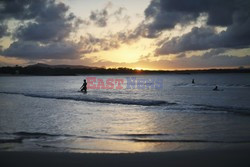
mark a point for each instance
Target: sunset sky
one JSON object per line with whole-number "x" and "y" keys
{"x": 142, "y": 34}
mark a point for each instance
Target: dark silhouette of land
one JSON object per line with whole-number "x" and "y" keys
{"x": 53, "y": 70}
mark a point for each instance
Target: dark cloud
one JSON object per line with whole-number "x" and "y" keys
{"x": 236, "y": 36}
{"x": 140, "y": 31}
{"x": 20, "y": 10}
{"x": 41, "y": 10}
{"x": 182, "y": 55}
{"x": 161, "y": 17}
{"x": 166, "y": 14}
{"x": 100, "y": 18}
{"x": 51, "y": 23}
{"x": 44, "y": 32}
{"x": 32, "y": 50}
{"x": 213, "y": 52}
{"x": 45, "y": 26}
{"x": 198, "y": 39}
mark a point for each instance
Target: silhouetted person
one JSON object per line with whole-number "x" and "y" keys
{"x": 84, "y": 86}
{"x": 216, "y": 88}
{"x": 193, "y": 81}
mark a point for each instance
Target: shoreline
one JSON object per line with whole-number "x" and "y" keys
{"x": 197, "y": 158}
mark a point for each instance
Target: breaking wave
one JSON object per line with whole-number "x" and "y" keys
{"x": 142, "y": 102}
{"x": 224, "y": 109}
{"x": 18, "y": 137}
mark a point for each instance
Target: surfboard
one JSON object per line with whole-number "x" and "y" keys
{"x": 218, "y": 90}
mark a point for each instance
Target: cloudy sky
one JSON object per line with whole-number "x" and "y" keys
{"x": 148, "y": 34}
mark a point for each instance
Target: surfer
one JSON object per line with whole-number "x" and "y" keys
{"x": 193, "y": 81}
{"x": 84, "y": 86}
{"x": 216, "y": 88}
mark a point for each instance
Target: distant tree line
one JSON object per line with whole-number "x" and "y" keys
{"x": 39, "y": 70}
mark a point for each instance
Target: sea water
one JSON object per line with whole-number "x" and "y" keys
{"x": 48, "y": 113}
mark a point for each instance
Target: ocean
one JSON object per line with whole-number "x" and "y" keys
{"x": 48, "y": 113}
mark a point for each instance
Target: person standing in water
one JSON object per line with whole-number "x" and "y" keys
{"x": 193, "y": 81}
{"x": 216, "y": 88}
{"x": 84, "y": 86}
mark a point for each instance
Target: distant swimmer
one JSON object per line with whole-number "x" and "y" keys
{"x": 193, "y": 81}
{"x": 216, "y": 88}
{"x": 84, "y": 86}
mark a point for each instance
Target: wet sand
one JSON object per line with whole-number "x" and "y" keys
{"x": 204, "y": 158}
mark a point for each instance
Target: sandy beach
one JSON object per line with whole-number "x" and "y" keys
{"x": 208, "y": 158}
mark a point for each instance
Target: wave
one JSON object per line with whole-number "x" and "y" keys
{"x": 159, "y": 138}
{"x": 40, "y": 135}
{"x": 142, "y": 102}
{"x": 17, "y": 140}
{"x": 34, "y": 134}
{"x": 225, "y": 109}
{"x": 20, "y": 136}
{"x": 176, "y": 107}
{"x": 207, "y": 109}
{"x": 143, "y": 135}
{"x": 186, "y": 141}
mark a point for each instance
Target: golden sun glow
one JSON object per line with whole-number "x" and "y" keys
{"x": 138, "y": 68}
{"x": 126, "y": 53}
